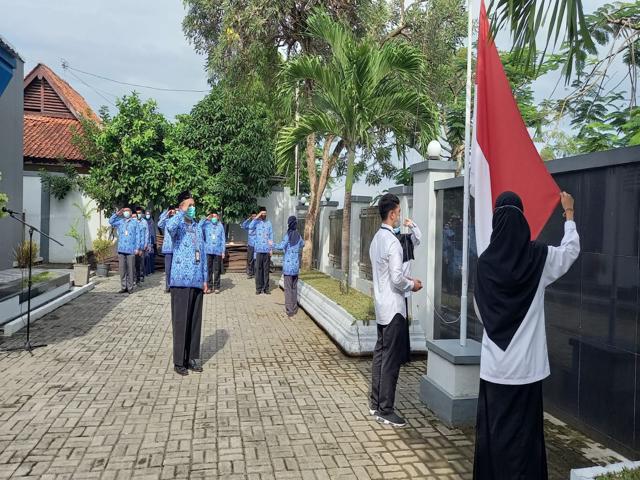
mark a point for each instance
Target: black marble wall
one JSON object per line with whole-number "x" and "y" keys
{"x": 591, "y": 313}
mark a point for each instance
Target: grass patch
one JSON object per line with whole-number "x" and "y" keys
{"x": 40, "y": 277}
{"x": 625, "y": 474}
{"x": 355, "y": 302}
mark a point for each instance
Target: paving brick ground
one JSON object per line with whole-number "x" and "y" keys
{"x": 277, "y": 400}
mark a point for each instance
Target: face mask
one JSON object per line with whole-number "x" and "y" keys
{"x": 139, "y": 215}
{"x": 396, "y": 230}
{"x": 191, "y": 212}
{"x": 147, "y": 216}
{"x": 127, "y": 214}
{"x": 214, "y": 220}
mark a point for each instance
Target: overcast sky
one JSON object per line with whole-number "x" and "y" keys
{"x": 134, "y": 41}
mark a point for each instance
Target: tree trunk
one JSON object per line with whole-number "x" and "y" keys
{"x": 317, "y": 190}
{"x": 346, "y": 219}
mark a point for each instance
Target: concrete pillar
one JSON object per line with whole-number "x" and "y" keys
{"x": 326, "y": 208}
{"x": 357, "y": 203}
{"x": 425, "y": 174}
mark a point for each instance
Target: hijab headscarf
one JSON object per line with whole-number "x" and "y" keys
{"x": 292, "y": 232}
{"x": 509, "y": 271}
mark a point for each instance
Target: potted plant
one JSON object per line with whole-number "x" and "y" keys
{"x": 102, "y": 249}
{"x": 81, "y": 264}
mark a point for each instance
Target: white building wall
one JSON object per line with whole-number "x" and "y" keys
{"x": 32, "y": 203}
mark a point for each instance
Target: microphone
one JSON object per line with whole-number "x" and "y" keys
{"x": 10, "y": 212}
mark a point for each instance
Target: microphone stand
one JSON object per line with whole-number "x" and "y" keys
{"x": 28, "y": 346}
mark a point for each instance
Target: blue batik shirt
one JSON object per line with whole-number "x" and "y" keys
{"x": 214, "y": 237}
{"x": 187, "y": 239}
{"x": 264, "y": 234}
{"x": 291, "y": 262}
{"x": 143, "y": 234}
{"x": 127, "y": 233}
{"x": 251, "y": 232}
{"x": 167, "y": 245}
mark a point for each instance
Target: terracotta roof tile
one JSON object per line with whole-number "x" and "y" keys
{"x": 50, "y": 138}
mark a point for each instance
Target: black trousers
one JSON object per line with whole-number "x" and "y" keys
{"x": 214, "y": 265}
{"x": 139, "y": 268}
{"x": 262, "y": 272}
{"x": 510, "y": 433}
{"x": 390, "y": 353}
{"x": 186, "y": 321}
{"x": 251, "y": 262}
{"x": 168, "y": 258}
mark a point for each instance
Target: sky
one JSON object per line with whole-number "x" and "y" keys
{"x": 140, "y": 42}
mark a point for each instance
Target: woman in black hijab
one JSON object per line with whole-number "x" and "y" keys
{"x": 511, "y": 277}
{"x": 292, "y": 245}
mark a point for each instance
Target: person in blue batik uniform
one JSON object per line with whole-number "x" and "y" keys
{"x": 143, "y": 243}
{"x": 264, "y": 245}
{"x": 188, "y": 282}
{"x": 215, "y": 247}
{"x": 150, "y": 258}
{"x": 127, "y": 229}
{"x": 292, "y": 245}
{"x": 251, "y": 245}
{"x": 167, "y": 245}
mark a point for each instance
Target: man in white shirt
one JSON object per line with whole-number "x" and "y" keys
{"x": 389, "y": 287}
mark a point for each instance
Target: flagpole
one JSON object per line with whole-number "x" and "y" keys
{"x": 465, "y": 208}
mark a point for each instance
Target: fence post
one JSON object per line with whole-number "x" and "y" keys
{"x": 326, "y": 208}
{"x": 358, "y": 202}
{"x": 425, "y": 174}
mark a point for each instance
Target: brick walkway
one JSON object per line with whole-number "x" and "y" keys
{"x": 277, "y": 399}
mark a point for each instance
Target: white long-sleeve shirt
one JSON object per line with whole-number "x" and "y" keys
{"x": 389, "y": 283}
{"x": 416, "y": 237}
{"x": 526, "y": 359}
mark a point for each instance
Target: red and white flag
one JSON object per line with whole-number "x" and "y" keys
{"x": 503, "y": 156}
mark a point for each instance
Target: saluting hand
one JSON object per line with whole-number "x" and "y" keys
{"x": 408, "y": 222}
{"x": 417, "y": 285}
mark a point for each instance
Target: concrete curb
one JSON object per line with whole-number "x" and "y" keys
{"x": 354, "y": 338}
{"x": 15, "y": 325}
{"x": 594, "y": 472}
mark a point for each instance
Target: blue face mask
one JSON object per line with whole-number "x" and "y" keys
{"x": 191, "y": 212}
{"x": 127, "y": 214}
{"x": 396, "y": 230}
{"x": 214, "y": 220}
{"x": 147, "y": 216}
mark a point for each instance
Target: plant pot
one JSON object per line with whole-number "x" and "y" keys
{"x": 102, "y": 270}
{"x": 80, "y": 274}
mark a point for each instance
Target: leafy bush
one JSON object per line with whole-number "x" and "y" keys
{"x": 102, "y": 246}
{"x": 21, "y": 253}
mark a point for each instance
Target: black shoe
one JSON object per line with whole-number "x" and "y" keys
{"x": 392, "y": 419}
{"x": 195, "y": 366}
{"x": 180, "y": 370}
{"x": 142, "y": 279}
{"x": 167, "y": 290}
{"x": 124, "y": 290}
{"x": 129, "y": 292}
{"x": 267, "y": 292}
{"x": 258, "y": 293}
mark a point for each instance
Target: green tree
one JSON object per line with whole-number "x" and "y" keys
{"x": 233, "y": 142}
{"x": 126, "y": 153}
{"x": 363, "y": 92}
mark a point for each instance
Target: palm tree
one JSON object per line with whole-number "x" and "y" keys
{"x": 564, "y": 19}
{"x": 362, "y": 91}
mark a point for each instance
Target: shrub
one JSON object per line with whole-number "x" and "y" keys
{"x": 21, "y": 253}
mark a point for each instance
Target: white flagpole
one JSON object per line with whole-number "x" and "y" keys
{"x": 465, "y": 209}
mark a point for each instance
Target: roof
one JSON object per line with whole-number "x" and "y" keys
{"x": 48, "y": 131}
{"x": 74, "y": 101}
{"x": 8, "y": 47}
{"x": 50, "y": 138}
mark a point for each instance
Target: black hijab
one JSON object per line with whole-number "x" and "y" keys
{"x": 509, "y": 271}
{"x": 294, "y": 236}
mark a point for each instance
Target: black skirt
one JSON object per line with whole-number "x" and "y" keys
{"x": 510, "y": 433}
